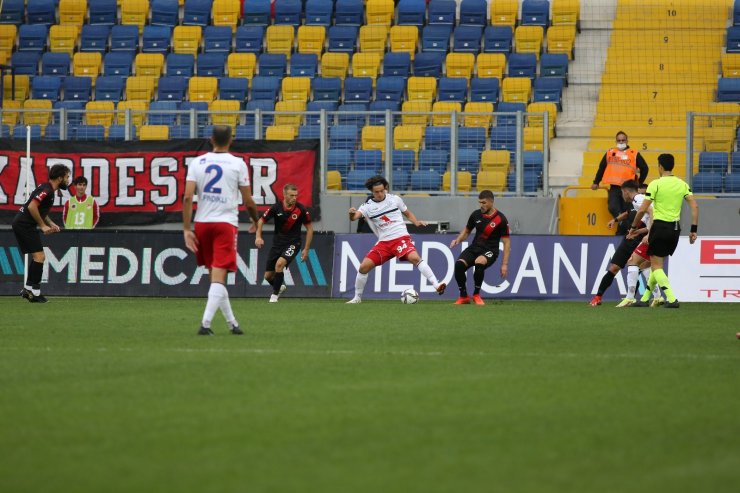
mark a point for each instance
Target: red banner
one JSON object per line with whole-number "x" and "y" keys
{"x": 142, "y": 182}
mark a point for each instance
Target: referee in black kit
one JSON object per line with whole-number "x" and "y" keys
{"x": 35, "y": 212}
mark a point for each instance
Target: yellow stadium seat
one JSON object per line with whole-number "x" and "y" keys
{"x": 421, "y": 88}
{"x": 139, "y": 109}
{"x": 72, "y": 12}
{"x": 42, "y": 115}
{"x": 280, "y": 39}
{"x": 296, "y": 110}
{"x": 493, "y": 180}
{"x": 380, "y": 12}
{"x": 140, "y": 88}
{"x": 729, "y": 119}
{"x": 538, "y": 121}
{"x": 730, "y": 64}
{"x": 296, "y": 88}
{"x": 333, "y": 180}
{"x": 442, "y": 112}
{"x": 495, "y": 160}
{"x": 566, "y": 12}
{"x": 311, "y": 39}
{"x": 226, "y": 13}
{"x": 186, "y": 39}
{"x": 335, "y": 65}
{"x": 154, "y": 132}
{"x": 87, "y": 64}
{"x": 278, "y": 132}
{"x": 533, "y": 140}
{"x": 22, "y": 87}
{"x": 491, "y": 65}
{"x": 408, "y": 138}
{"x": 99, "y": 113}
{"x": 241, "y": 65}
{"x": 11, "y": 111}
{"x": 150, "y": 64}
{"x": 404, "y": 39}
{"x": 373, "y": 39}
{"x": 517, "y": 89}
{"x": 460, "y": 65}
{"x": 134, "y": 12}
{"x": 464, "y": 181}
{"x": 373, "y": 138}
{"x": 366, "y": 65}
{"x": 478, "y": 114}
{"x": 528, "y": 39}
{"x": 409, "y": 107}
{"x": 224, "y": 112}
{"x": 561, "y": 39}
{"x": 504, "y": 12}
{"x": 63, "y": 38}
{"x": 202, "y": 88}
{"x": 719, "y": 139}
{"x": 8, "y": 33}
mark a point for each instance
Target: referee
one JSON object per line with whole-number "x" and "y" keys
{"x": 667, "y": 194}
{"x": 35, "y": 212}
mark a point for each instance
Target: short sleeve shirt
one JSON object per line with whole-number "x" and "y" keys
{"x": 637, "y": 203}
{"x": 218, "y": 177}
{"x": 44, "y": 196}
{"x": 386, "y": 217}
{"x": 489, "y": 228}
{"x": 667, "y": 194}
{"x": 287, "y": 222}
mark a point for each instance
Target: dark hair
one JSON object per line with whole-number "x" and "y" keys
{"x": 290, "y": 186}
{"x": 621, "y": 132}
{"x": 666, "y": 161}
{"x": 80, "y": 180}
{"x": 374, "y": 181}
{"x": 221, "y": 135}
{"x": 630, "y": 185}
{"x": 485, "y": 194}
{"x": 58, "y": 171}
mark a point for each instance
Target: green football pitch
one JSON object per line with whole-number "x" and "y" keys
{"x": 120, "y": 395}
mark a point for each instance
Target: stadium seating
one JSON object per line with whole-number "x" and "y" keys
{"x": 196, "y": 12}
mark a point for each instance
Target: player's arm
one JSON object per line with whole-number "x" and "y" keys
{"x": 620, "y": 217}
{"x": 638, "y": 218}
{"x": 411, "y": 217}
{"x": 694, "y": 218}
{"x": 461, "y": 237}
{"x": 96, "y": 213}
{"x": 505, "y": 262}
{"x": 65, "y": 211}
{"x": 309, "y": 238}
{"x": 258, "y": 241}
{"x": 354, "y": 214}
{"x": 246, "y": 191}
{"x": 33, "y": 209}
{"x": 191, "y": 242}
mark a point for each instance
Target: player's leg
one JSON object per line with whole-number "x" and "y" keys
{"x": 633, "y": 273}
{"x": 618, "y": 261}
{"x": 461, "y": 278}
{"x": 479, "y": 272}
{"x": 368, "y": 264}
{"x": 218, "y": 248}
{"x": 414, "y": 257}
{"x": 29, "y": 241}
{"x": 663, "y": 242}
{"x": 286, "y": 257}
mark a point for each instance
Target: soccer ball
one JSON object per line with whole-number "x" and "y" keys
{"x": 409, "y": 297}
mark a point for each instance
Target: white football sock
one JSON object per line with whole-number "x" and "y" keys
{"x": 360, "y": 282}
{"x": 426, "y": 271}
{"x": 215, "y": 296}
{"x": 633, "y": 273}
{"x": 225, "y": 306}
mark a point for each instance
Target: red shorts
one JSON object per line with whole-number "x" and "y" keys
{"x": 641, "y": 250}
{"x": 383, "y": 251}
{"x": 216, "y": 245}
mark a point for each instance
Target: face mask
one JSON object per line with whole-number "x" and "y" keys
{"x": 622, "y": 146}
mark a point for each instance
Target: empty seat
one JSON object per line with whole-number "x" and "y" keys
{"x": 288, "y": 12}
{"x": 41, "y": 12}
{"x": 349, "y": 12}
{"x": 503, "y": 138}
{"x": 327, "y": 89}
{"x": 272, "y": 64}
{"x": 373, "y": 137}
{"x": 304, "y": 65}
{"x": 498, "y": 39}
{"x": 103, "y": 12}
{"x": 117, "y": 133}
{"x": 416, "y": 113}
{"x": 11, "y": 112}
{"x": 566, "y": 13}
{"x": 478, "y": 114}
{"x": 713, "y": 162}
{"x": 411, "y": 13}
{"x": 73, "y": 111}
{"x": 373, "y": 39}
{"x": 313, "y": 111}
{"x": 32, "y": 37}
{"x": 280, "y": 40}
{"x": 404, "y": 39}
{"x": 369, "y": 160}
{"x": 136, "y": 109}
{"x": 21, "y": 131}
{"x": 536, "y": 13}
{"x": 421, "y": 89}
{"x": 87, "y": 65}
{"x": 55, "y": 64}
{"x": 442, "y": 12}
{"x": 380, "y": 12}
{"x": 554, "y": 65}
{"x": 172, "y": 88}
{"x": 403, "y": 160}
{"x": 241, "y": 65}
{"x": 719, "y": 139}
{"x": 397, "y": 64}
{"x": 249, "y": 39}
{"x": 151, "y": 64}
{"x": 245, "y": 132}
{"x": 296, "y": 88}
{"x": 464, "y": 181}
{"x": 319, "y": 12}
{"x": 335, "y": 65}
{"x": 379, "y": 119}
{"x": 118, "y": 63}
{"x": 135, "y": 13}
{"x": 109, "y": 88}
{"x": 25, "y": 62}
{"x": 124, "y": 38}
{"x": 438, "y": 138}
{"x": 473, "y": 12}
{"x": 211, "y": 64}
{"x": 94, "y": 38}
{"x": 99, "y": 113}
{"x": 471, "y": 138}
{"x": 89, "y": 132}
{"x": 339, "y": 160}
{"x": 179, "y": 132}
{"x": 466, "y": 39}
{"x": 493, "y": 180}
{"x": 390, "y": 89}
{"x": 732, "y": 39}
{"x": 8, "y": 33}
{"x": 162, "y": 113}
{"x": 333, "y": 178}
{"x": 37, "y": 111}
{"x": 491, "y": 65}
{"x": 562, "y": 39}
{"x": 522, "y": 65}
{"x": 732, "y": 183}
{"x": 452, "y": 90}
{"x": 202, "y": 89}
{"x": 528, "y": 39}
{"x": 533, "y": 139}
{"x": 436, "y": 37}
{"x": 77, "y": 88}
{"x": 358, "y": 89}
{"x": 343, "y": 137}
{"x": 140, "y": 88}
{"x": 408, "y": 138}
{"x": 342, "y": 39}
{"x": 224, "y": 112}
{"x": 357, "y": 177}
{"x": 706, "y": 182}
{"x": 256, "y": 12}
{"x": 186, "y": 39}
{"x": 309, "y": 132}
{"x": 12, "y": 13}
{"x": 72, "y": 12}
{"x": 311, "y": 39}
{"x": 154, "y": 132}
{"x": 352, "y": 114}
{"x": 460, "y": 65}
{"x": 264, "y": 87}
{"x": 46, "y": 87}
{"x": 233, "y": 88}
{"x": 226, "y": 13}
{"x": 196, "y": 12}
{"x": 426, "y": 179}
{"x": 495, "y": 160}
{"x": 366, "y": 65}
{"x": 534, "y": 120}
{"x": 180, "y": 64}
{"x": 728, "y": 89}
{"x": 165, "y": 13}
{"x": 443, "y": 112}
{"x": 428, "y": 64}
{"x": 196, "y": 109}
{"x": 156, "y": 39}
{"x": 548, "y": 90}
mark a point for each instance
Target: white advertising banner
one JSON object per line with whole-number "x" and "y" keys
{"x": 708, "y": 270}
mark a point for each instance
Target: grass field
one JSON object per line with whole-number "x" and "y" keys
{"x": 120, "y": 395}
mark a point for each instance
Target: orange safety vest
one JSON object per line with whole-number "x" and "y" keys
{"x": 620, "y": 166}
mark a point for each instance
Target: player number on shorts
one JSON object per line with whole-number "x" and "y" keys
{"x": 211, "y": 185}
{"x": 290, "y": 251}
{"x": 403, "y": 246}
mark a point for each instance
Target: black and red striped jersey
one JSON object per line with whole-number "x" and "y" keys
{"x": 489, "y": 228}
{"x": 44, "y": 195}
{"x": 288, "y": 222}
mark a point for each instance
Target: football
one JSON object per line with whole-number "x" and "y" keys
{"x": 409, "y": 297}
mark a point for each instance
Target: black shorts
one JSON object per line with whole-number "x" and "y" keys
{"x": 28, "y": 237}
{"x": 624, "y": 251}
{"x": 663, "y": 238}
{"x": 288, "y": 252}
{"x": 474, "y": 251}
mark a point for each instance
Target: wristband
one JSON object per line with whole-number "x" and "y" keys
{"x": 694, "y": 228}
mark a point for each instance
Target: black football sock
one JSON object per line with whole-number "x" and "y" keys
{"x": 606, "y": 281}
{"x": 35, "y": 271}
{"x": 461, "y": 278}
{"x": 277, "y": 281}
{"x": 478, "y": 274}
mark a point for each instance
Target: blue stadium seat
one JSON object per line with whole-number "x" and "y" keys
{"x": 428, "y": 64}
{"x": 733, "y": 39}
{"x": 468, "y": 160}
{"x": 728, "y": 89}
{"x": 498, "y": 39}
{"x": 249, "y": 39}
{"x": 309, "y": 132}
{"x": 442, "y": 12}
{"x": 156, "y": 39}
{"x": 73, "y": 111}
{"x": 533, "y": 160}
{"x": 352, "y": 114}
{"x": 288, "y": 12}
{"x": 196, "y": 12}
{"x": 41, "y": 12}
{"x": 522, "y": 65}
{"x": 532, "y": 180}
{"x": 327, "y": 89}
{"x": 369, "y": 160}
{"x": 25, "y": 62}
{"x": 168, "y": 114}
{"x": 205, "y": 131}
{"x": 433, "y": 159}
{"x": 256, "y": 12}
{"x": 211, "y": 64}
{"x": 378, "y": 119}
{"x": 554, "y": 65}
{"x": 272, "y": 65}
{"x": 706, "y": 182}
{"x": 548, "y": 89}
{"x": 118, "y": 63}
{"x": 735, "y": 162}
{"x": 473, "y": 12}
{"x": 411, "y": 12}
{"x": 466, "y": 39}
{"x": 342, "y": 39}
{"x": 180, "y": 64}
{"x": 124, "y": 38}
{"x": 117, "y": 133}
{"x": 358, "y": 89}
{"x": 400, "y": 179}
{"x": 217, "y": 38}
{"x": 343, "y": 137}
{"x": 436, "y": 37}
{"x": 244, "y": 132}
{"x": 403, "y": 159}
{"x": 13, "y": 12}
{"x": 503, "y": 138}
{"x": 19, "y": 132}
{"x": 438, "y": 138}
{"x": 535, "y": 13}
{"x": 313, "y": 118}
{"x": 77, "y": 88}
{"x": 357, "y": 177}
{"x": 471, "y": 138}
{"x": 46, "y": 87}
{"x": 200, "y": 107}
{"x": 397, "y": 64}
{"x": 110, "y": 88}
{"x": 260, "y": 105}
{"x": 349, "y": 12}
{"x": 304, "y": 65}
{"x": 89, "y": 132}
{"x": 103, "y": 12}
{"x": 319, "y": 12}
{"x": 165, "y": 13}
{"x": 453, "y": 89}
{"x": 236, "y": 88}
{"x": 732, "y": 183}
{"x": 484, "y": 90}
{"x": 5, "y": 131}
{"x": 736, "y": 13}
{"x": 426, "y": 179}
{"x": 94, "y": 38}
{"x": 51, "y": 132}
{"x": 265, "y": 87}
{"x": 508, "y": 107}
{"x": 32, "y": 37}
{"x": 390, "y": 88}
{"x": 339, "y": 160}
{"x": 713, "y": 162}
{"x": 172, "y": 88}
{"x": 179, "y": 131}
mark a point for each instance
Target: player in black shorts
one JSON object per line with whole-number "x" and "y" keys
{"x": 491, "y": 228}
{"x": 34, "y": 215}
{"x": 289, "y": 215}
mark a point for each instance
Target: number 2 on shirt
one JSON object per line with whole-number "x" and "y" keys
{"x": 211, "y": 185}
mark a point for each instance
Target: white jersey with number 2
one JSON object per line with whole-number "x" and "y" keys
{"x": 217, "y": 177}
{"x": 386, "y": 218}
